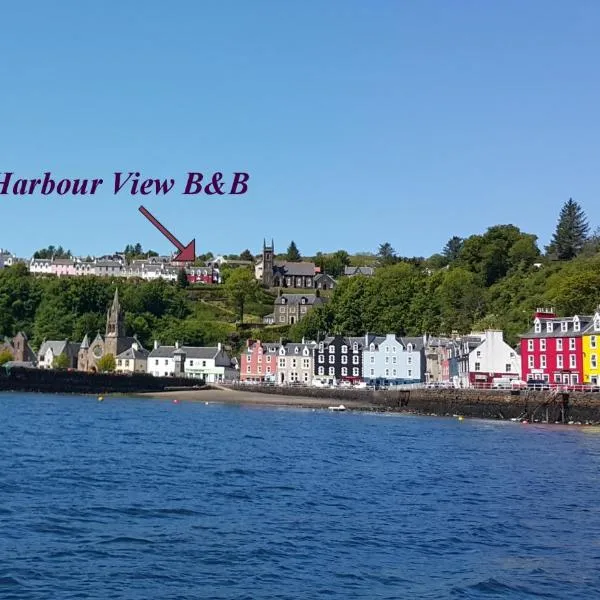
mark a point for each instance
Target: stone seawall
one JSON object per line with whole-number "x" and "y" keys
{"x": 543, "y": 406}
{"x": 76, "y": 382}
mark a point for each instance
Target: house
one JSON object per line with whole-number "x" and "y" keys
{"x": 352, "y": 271}
{"x": 338, "y": 358}
{"x": 291, "y": 308}
{"x": 50, "y": 350}
{"x": 552, "y": 350}
{"x": 590, "y": 345}
{"x": 132, "y": 360}
{"x": 208, "y": 275}
{"x": 493, "y": 358}
{"x": 19, "y": 349}
{"x": 461, "y": 354}
{"x": 277, "y": 273}
{"x": 269, "y": 319}
{"x": 219, "y": 261}
{"x": 390, "y": 360}
{"x": 258, "y": 362}
{"x": 40, "y": 266}
{"x": 295, "y": 363}
{"x": 63, "y": 267}
{"x": 323, "y": 281}
{"x": 107, "y": 268}
{"x": 435, "y": 350}
{"x": 212, "y": 363}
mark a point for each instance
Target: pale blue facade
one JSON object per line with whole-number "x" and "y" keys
{"x": 390, "y": 360}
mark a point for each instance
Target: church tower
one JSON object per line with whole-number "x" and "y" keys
{"x": 268, "y": 263}
{"x": 115, "y": 326}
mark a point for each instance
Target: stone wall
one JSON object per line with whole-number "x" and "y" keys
{"x": 485, "y": 404}
{"x": 78, "y": 382}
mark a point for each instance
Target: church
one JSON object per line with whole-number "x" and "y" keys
{"x": 280, "y": 273}
{"x": 114, "y": 341}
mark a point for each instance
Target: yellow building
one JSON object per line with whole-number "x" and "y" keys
{"x": 591, "y": 352}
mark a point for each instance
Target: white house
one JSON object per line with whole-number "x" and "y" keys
{"x": 211, "y": 363}
{"x": 40, "y": 266}
{"x": 133, "y": 360}
{"x": 493, "y": 358}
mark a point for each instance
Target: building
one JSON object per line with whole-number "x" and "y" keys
{"x": 552, "y": 350}
{"x": 207, "y": 275}
{"x": 338, "y": 358}
{"x": 277, "y": 273}
{"x": 295, "y": 363}
{"x": 493, "y": 358}
{"x": 114, "y": 341}
{"x": 40, "y": 266}
{"x": 19, "y": 349}
{"x": 590, "y": 345}
{"x": 259, "y": 361}
{"x": 352, "y": 271}
{"x": 132, "y": 360}
{"x": 463, "y": 347}
{"x": 63, "y": 267}
{"x": 435, "y": 350}
{"x": 291, "y": 308}
{"x": 390, "y": 360}
{"x": 323, "y": 281}
{"x": 51, "y": 350}
{"x": 212, "y": 364}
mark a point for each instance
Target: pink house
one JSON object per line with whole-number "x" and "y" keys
{"x": 259, "y": 361}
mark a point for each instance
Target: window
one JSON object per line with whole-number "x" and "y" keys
{"x": 332, "y": 349}
{"x": 542, "y": 361}
{"x": 321, "y": 370}
{"x": 282, "y": 309}
{"x": 355, "y": 347}
{"x": 394, "y": 349}
{"x": 576, "y": 325}
{"x": 282, "y": 319}
{"x": 120, "y": 362}
{"x": 355, "y": 372}
{"x": 564, "y": 326}
{"x": 203, "y": 363}
{"x": 409, "y": 348}
{"x": 594, "y": 361}
{"x": 331, "y": 359}
{"x": 321, "y": 358}
{"x": 387, "y": 372}
{"x": 355, "y": 360}
{"x": 572, "y": 361}
{"x": 394, "y": 372}
{"x": 478, "y": 353}
{"x": 372, "y": 359}
{"x": 559, "y": 344}
{"x": 321, "y": 347}
{"x": 305, "y": 363}
{"x": 410, "y": 372}
{"x": 549, "y": 326}
{"x": 259, "y": 369}
{"x": 478, "y": 366}
{"x": 281, "y": 363}
{"x": 387, "y": 349}
{"x": 294, "y": 362}
{"x": 331, "y": 371}
{"x": 127, "y": 363}
{"x": 394, "y": 359}
{"x": 571, "y": 343}
{"x": 344, "y": 371}
{"x": 530, "y": 345}
{"x": 409, "y": 360}
{"x": 559, "y": 361}
{"x": 268, "y": 369}
{"x": 557, "y": 378}
{"x": 596, "y": 324}
{"x": 530, "y": 363}
{"x": 344, "y": 349}
{"x": 259, "y": 359}
{"x": 248, "y": 369}
{"x": 537, "y": 327}
{"x": 592, "y": 341}
{"x": 344, "y": 360}
{"x": 372, "y": 372}
{"x": 543, "y": 345}
{"x": 387, "y": 360}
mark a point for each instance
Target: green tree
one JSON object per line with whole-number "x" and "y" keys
{"x": 182, "y": 280}
{"x": 106, "y": 364}
{"x": 240, "y": 288}
{"x": 293, "y": 254}
{"x": 334, "y": 264}
{"x": 452, "y": 248}
{"x": 5, "y": 356}
{"x": 386, "y": 254}
{"x": 247, "y": 255}
{"x": 60, "y": 362}
{"x": 571, "y": 232}
{"x": 461, "y": 300}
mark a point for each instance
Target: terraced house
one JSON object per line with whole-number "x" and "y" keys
{"x": 339, "y": 358}
{"x": 258, "y": 361}
{"x": 391, "y": 360}
{"x": 295, "y": 363}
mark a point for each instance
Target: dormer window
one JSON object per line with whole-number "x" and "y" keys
{"x": 303, "y": 300}
{"x": 372, "y": 347}
{"x": 564, "y": 326}
{"x": 344, "y": 349}
{"x": 355, "y": 347}
{"x": 321, "y": 347}
{"x": 596, "y": 324}
{"x": 576, "y": 324}
{"x": 409, "y": 348}
{"x": 549, "y": 326}
{"x": 537, "y": 326}
{"x": 296, "y": 350}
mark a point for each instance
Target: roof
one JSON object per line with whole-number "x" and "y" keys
{"x": 59, "y": 347}
{"x": 584, "y": 320}
{"x": 297, "y": 299}
{"x": 359, "y": 271}
{"x": 134, "y": 354}
{"x": 417, "y": 342}
{"x": 190, "y": 351}
{"x": 294, "y": 269}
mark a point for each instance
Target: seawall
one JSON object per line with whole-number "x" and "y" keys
{"x": 76, "y": 382}
{"x": 543, "y": 406}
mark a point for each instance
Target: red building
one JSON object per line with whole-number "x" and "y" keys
{"x": 551, "y": 351}
{"x": 259, "y": 361}
{"x": 207, "y": 275}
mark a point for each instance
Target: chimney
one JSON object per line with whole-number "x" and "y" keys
{"x": 177, "y": 344}
{"x": 219, "y": 347}
{"x": 303, "y": 340}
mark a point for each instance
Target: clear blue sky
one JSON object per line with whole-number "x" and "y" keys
{"x": 359, "y": 122}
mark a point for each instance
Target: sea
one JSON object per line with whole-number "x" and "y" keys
{"x": 150, "y": 499}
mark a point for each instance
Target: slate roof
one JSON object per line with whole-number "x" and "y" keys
{"x": 297, "y": 299}
{"x": 294, "y": 269}
{"x": 190, "y": 351}
{"x": 133, "y": 354}
{"x": 584, "y": 320}
{"x": 349, "y": 271}
{"x": 58, "y": 347}
{"x": 417, "y": 342}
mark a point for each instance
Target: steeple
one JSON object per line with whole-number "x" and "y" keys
{"x": 115, "y": 326}
{"x": 85, "y": 344}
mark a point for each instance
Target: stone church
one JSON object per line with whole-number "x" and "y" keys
{"x": 280, "y": 273}
{"x": 114, "y": 341}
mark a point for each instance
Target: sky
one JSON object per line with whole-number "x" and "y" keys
{"x": 358, "y": 122}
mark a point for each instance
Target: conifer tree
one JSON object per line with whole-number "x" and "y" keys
{"x": 293, "y": 254}
{"x": 571, "y": 232}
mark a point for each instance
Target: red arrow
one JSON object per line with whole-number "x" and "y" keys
{"x": 186, "y": 253}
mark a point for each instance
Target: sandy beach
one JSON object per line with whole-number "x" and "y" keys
{"x": 232, "y": 396}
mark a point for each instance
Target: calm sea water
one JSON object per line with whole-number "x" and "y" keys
{"x": 143, "y": 499}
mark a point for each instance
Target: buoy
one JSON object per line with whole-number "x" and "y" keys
{"x": 175, "y": 401}
{"x": 524, "y": 422}
{"x": 460, "y": 418}
{"x": 206, "y": 403}
{"x": 100, "y": 398}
